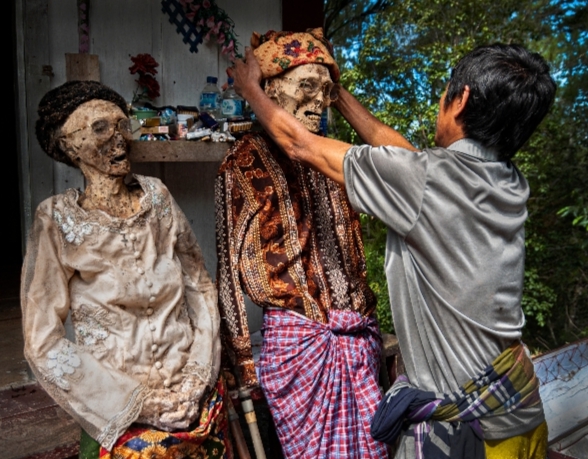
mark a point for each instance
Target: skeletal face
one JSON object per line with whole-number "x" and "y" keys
{"x": 97, "y": 136}
{"x": 303, "y": 92}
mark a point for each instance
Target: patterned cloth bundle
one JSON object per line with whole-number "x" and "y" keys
{"x": 320, "y": 381}
{"x": 448, "y": 427}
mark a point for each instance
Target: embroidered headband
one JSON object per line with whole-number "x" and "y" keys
{"x": 277, "y": 52}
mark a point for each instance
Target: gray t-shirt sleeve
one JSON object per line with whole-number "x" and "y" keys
{"x": 386, "y": 182}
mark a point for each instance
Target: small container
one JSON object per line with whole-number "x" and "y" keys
{"x": 233, "y": 103}
{"x": 211, "y": 98}
{"x": 185, "y": 122}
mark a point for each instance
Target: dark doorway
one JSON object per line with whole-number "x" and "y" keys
{"x": 12, "y": 366}
{"x": 11, "y": 258}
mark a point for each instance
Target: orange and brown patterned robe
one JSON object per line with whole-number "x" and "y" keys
{"x": 288, "y": 237}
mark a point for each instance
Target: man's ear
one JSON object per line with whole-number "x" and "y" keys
{"x": 461, "y": 101}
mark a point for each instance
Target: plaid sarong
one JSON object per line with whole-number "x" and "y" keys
{"x": 449, "y": 427}
{"x": 320, "y": 381}
{"x": 207, "y": 440}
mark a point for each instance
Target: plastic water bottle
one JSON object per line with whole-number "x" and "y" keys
{"x": 233, "y": 103}
{"x": 210, "y": 98}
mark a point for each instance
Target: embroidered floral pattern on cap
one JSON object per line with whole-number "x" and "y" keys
{"x": 280, "y": 51}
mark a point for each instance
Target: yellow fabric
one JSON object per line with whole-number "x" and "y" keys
{"x": 530, "y": 445}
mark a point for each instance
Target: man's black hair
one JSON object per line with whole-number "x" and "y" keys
{"x": 511, "y": 91}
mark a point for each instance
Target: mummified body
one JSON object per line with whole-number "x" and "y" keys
{"x": 288, "y": 237}
{"x": 123, "y": 260}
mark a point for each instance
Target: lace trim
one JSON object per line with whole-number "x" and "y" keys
{"x": 117, "y": 425}
{"x": 76, "y": 222}
{"x": 160, "y": 204}
{"x": 204, "y": 372}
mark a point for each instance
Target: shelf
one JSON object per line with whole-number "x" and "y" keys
{"x": 178, "y": 151}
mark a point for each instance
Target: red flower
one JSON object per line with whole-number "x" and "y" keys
{"x": 150, "y": 85}
{"x": 143, "y": 64}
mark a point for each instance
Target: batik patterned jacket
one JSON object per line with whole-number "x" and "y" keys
{"x": 288, "y": 237}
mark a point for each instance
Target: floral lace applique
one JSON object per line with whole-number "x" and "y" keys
{"x": 91, "y": 327}
{"x": 73, "y": 231}
{"x": 160, "y": 204}
{"x": 62, "y": 363}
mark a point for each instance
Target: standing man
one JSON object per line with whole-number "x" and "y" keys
{"x": 289, "y": 238}
{"x": 455, "y": 250}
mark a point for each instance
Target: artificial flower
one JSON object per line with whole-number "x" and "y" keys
{"x": 143, "y": 64}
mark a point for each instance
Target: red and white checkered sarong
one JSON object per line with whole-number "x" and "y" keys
{"x": 320, "y": 381}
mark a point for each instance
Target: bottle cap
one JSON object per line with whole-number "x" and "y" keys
{"x": 211, "y": 79}
{"x": 230, "y": 80}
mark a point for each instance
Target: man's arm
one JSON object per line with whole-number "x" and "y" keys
{"x": 371, "y": 130}
{"x": 321, "y": 153}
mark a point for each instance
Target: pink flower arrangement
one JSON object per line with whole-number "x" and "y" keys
{"x": 213, "y": 21}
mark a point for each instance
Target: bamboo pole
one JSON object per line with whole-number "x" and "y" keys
{"x": 249, "y": 410}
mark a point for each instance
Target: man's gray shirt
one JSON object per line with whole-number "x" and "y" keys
{"x": 454, "y": 259}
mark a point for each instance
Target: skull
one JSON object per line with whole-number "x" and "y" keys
{"x": 303, "y": 91}
{"x": 97, "y": 136}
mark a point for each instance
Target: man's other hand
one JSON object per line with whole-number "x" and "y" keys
{"x": 247, "y": 73}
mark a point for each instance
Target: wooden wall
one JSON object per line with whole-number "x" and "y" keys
{"x": 46, "y": 30}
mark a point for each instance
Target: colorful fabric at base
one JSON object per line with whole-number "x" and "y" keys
{"x": 449, "y": 427}
{"x": 209, "y": 440}
{"x": 320, "y": 381}
{"x": 531, "y": 445}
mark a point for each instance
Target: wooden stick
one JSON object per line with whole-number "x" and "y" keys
{"x": 240, "y": 444}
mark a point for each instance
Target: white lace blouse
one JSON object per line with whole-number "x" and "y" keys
{"x": 142, "y": 305}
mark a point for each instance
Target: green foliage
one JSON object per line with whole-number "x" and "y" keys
{"x": 396, "y": 58}
{"x": 374, "y": 238}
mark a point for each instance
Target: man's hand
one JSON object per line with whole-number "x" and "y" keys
{"x": 247, "y": 73}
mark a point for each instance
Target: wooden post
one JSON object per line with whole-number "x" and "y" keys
{"x": 82, "y": 66}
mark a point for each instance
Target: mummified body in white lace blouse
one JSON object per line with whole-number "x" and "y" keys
{"x": 143, "y": 309}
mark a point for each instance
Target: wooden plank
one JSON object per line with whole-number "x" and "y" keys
{"x": 178, "y": 151}
{"x": 192, "y": 186}
{"x": 248, "y": 20}
{"x": 82, "y": 67}
{"x": 183, "y": 73}
{"x": 118, "y": 30}
{"x": 36, "y": 166}
{"x": 63, "y": 33}
{"x": 32, "y": 423}
{"x": 61, "y": 452}
{"x": 13, "y": 367}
